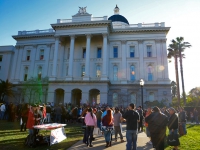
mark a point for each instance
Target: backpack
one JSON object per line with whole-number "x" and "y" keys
{"x": 30, "y": 140}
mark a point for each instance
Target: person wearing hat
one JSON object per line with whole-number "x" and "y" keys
{"x": 173, "y": 123}
{"x": 117, "y": 116}
{"x": 31, "y": 118}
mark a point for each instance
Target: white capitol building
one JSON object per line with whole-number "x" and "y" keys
{"x": 88, "y": 58}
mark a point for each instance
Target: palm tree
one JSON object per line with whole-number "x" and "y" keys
{"x": 181, "y": 46}
{"x": 173, "y": 52}
{"x": 173, "y": 88}
{"x": 5, "y": 89}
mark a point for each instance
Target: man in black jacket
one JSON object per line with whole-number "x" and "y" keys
{"x": 157, "y": 123}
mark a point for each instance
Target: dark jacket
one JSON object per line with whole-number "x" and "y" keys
{"x": 182, "y": 116}
{"x": 173, "y": 122}
{"x": 157, "y": 122}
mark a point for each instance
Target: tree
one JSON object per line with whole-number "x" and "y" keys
{"x": 181, "y": 46}
{"x": 34, "y": 89}
{"x": 173, "y": 52}
{"x": 5, "y": 89}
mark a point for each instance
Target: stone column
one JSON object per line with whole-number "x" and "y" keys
{"x": 19, "y": 60}
{"x": 164, "y": 57}
{"x": 103, "y": 97}
{"x": 85, "y": 97}
{"x": 33, "y": 58}
{"x": 87, "y": 62}
{"x": 61, "y": 62}
{"x": 67, "y": 97}
{"x": 123, "y": 69}
{"x": 160, "y": 67}
{"x": 47, "y": 55}
{"x": 104, "y": 69}
{"x": 71, "y": 58}
{"x": 141, "y": 59}
{"x": 14, "y": 66}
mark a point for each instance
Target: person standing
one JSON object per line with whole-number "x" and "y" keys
{"x": 91, "y": 123}
{"x": 58, "y": 112}
{"x": 196, "y": 116}
{"x": 173, "y": 124}
{"x": 140, "y": 124}
{"x": 3, "y": 109}
{"x": 146, "y": 124}
{"x": 132, "y": 118}
{"x": 182, "y": 120}
{"x": 107, "y": 127}
{"x": 157, "y": 123}
{"x": 99, "y": 114}
{"x": 48, "y": 113}
{"x": 24, "y": 115}
{"x": 117, "y": 122}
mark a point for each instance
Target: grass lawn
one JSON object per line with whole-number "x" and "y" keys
{"x": 191, "y": 141}
{"x": 12, "y": 139}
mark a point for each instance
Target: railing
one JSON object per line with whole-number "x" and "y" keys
{"x": 139, "y": 25}
{"x": 92, "y": 19}
{"x": 64, "y": 20}
{"x": 35, "y": 32}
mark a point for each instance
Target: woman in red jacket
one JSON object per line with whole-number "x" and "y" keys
{"x": 31, "y": 119}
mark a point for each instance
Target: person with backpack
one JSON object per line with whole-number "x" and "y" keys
{"x": 132, "y": 118}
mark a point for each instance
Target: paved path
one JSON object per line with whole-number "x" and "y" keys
{"x": 99, "y": 144}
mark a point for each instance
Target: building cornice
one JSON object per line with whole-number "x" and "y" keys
{"x": 82, "y": 81}
{"x": 16, "y": 37}
{"x": 81, "y": 24}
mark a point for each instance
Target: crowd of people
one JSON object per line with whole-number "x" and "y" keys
{"x": 107, "y": 119}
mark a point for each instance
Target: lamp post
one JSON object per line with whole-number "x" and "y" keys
{"x": 141, "y": 85}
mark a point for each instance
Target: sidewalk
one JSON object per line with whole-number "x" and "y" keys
{"x": 99, "y": 144}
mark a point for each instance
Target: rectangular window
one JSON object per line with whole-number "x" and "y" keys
{"x": 150, "y": 77}
{"x": 149, "y": 51}
{"x": 67, "y": 71}
{"x": 41, "y": 54}
{"x": 115, "y": 73}
{"x": 98, "y": 52}
{"x": 1, "y": 58}
{"x": 28, "y": 53}
{"x": 25, "y": 77}
{"x": 115, "y": 52}
{"x": 98, "y": 71}
{"x": 84, "y": 52}
{"x": 132, "y": 51}
{"x": 83, "y": 71}
{"x": 132, "y": 73}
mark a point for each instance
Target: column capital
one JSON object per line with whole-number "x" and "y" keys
{"x": 105, "y": 34}
{"x": 158, "y": 40}
{"x": 72, "y": 36}
{"x": 56, "y": 37}
{"x": 88, "y": 35}
{"x": 140, "y": 41}
{"x": 123, "y": 41}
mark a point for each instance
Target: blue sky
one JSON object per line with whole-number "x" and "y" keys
{"x": 181, "y": 15}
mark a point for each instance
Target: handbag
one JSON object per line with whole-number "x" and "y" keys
{"x": 96, "y": 131}
{"x": 173, "y": 140}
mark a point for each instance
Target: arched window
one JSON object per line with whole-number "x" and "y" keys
{"x": 150, "y": 73}
{"x": 98, "y": 69}
{"x": 151, "y": 96}
{"x": 132, "y": 73}
{"x": 39, "y": 73}
{"x": 133, "y": 98}
{"x": 25, "y": 73}
{"x": 115, "y": 73}
{"x": 115, "y": 100}
{"x": 82, "y": 71}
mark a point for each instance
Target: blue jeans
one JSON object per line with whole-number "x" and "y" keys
{"x": 58, "y": 118}
{"x": 107, "y": 135}
{"x": 2, "y": 115}
{"x": 175, "y": 131}
{"x": 31, "y": 131}
{"x": 184, "y": 127}
{"x": 99, "y": 124}
{"x": 131, "y": 137}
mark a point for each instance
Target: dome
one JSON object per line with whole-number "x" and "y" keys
{"x": 118, "y": 18}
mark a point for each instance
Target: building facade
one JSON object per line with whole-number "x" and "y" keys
{"x": 92, "y": 60}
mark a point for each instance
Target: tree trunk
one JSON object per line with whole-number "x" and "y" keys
{"x": 177, "y": 79}
{"x": 182, "y": 79}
